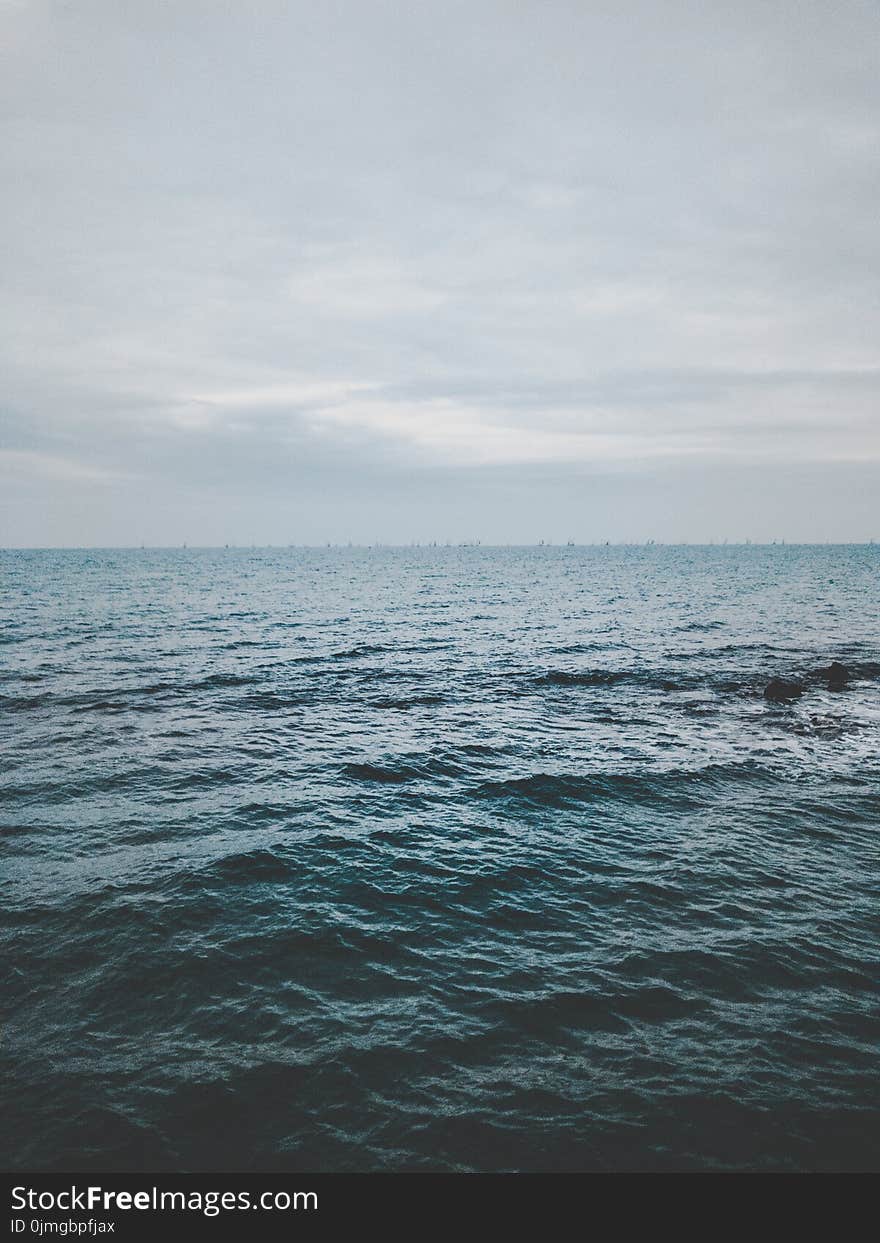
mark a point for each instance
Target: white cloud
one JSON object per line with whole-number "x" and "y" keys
{"x": 19, "y": 464}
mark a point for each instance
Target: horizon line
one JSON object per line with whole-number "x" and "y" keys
{"x": 324, "y": 545}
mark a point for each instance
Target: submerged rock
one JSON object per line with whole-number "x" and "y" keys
{"x": 837, "y": 675}
{"x": 781, "y": 691}
{"x": 820, "y": 726}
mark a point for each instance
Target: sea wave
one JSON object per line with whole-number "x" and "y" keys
{"x": 448, "y": 859}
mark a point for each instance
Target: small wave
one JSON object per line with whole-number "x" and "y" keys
{"x": 591, "y": 677}
{"x": 673, "y": 681}
{"x": 701, "y": 627}
{"x": 649, "y": 679}
{"x": 103, "y": 705}
{"x": 249, "y": 866}
{"x": 24, "y": 703}
{"x": 372, "y": 772}
{"x": 242, "y": 868}
{"x": 118, "y": 698}
{"x": 677, "y": 786}
{"x": 403, "y": 704}
{"x": 266, "y": 701}
{"x": 133, "y": 698}
{"x": 401, "y": 770}
{"x": 545, "y": 790}
{"x": 207, "y": 778}
{"x": 599, "y": 1010}
{"x": 263, "y": 644}
{"x": 580, "y": 649}
{"x": 268, "y": 812}
{"x": 224, "y": 679}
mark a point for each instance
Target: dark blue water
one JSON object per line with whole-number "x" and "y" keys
{"x": 445, "y": 859}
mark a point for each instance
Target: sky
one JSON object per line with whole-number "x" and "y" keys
{"x": 287, "y": 272}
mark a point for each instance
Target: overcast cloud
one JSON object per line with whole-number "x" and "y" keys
{"x": 293, "y": 272}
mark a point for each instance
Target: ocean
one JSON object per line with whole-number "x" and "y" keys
{"x": 439, "y": 858}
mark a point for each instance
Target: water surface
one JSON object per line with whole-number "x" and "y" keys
{"x": 439, "y": 858}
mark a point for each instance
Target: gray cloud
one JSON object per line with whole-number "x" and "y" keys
{"x": 439, "y": 269}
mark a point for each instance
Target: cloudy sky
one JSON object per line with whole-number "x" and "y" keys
{"x": 287, "y": 272}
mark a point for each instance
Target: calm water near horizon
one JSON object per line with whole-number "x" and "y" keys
{"x": 439, "y": 858}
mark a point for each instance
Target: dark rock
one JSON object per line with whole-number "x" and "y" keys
{"x": 837, "y": 676}
{"x": 781, "y": 691}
